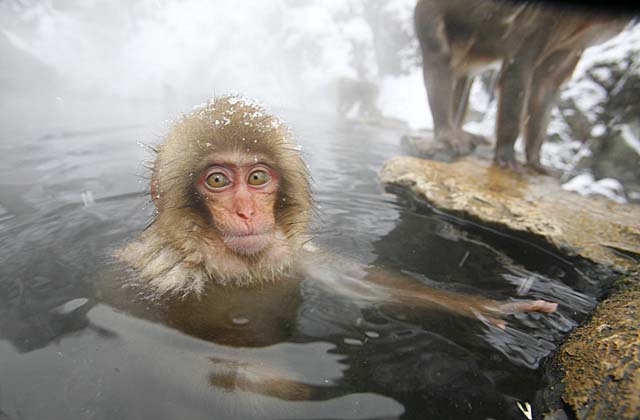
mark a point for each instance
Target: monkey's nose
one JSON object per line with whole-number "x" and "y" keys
{"x": 245, "y": 215}
{"x": 245, "y": 211}
{"x": 244, "y": 205}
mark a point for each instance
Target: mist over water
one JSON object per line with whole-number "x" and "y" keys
{"x": 282, "y": 51}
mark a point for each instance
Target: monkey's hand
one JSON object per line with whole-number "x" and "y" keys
{"x": 527, "y": 306}
{"x": 500, "y": 309}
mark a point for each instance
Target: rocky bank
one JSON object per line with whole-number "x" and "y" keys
{"x": 597, "y": 367}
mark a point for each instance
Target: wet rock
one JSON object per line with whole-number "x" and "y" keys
{"x": 601, "y": 359}
{"x": 556, "y": 415}
{"x": 589, "y": 227}
{"x": 596, "y": 372}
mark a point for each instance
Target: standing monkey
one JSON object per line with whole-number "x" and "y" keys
{"x": 538, "y": 48}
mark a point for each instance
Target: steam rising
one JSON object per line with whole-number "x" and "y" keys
{"x": 286, "y": 52}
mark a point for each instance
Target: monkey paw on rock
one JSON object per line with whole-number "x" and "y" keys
{"x": 461, "y": 142}
{"x": 508, "y": 163}
{"x": 539, "y": 169}
{"x": 534, "y": 168}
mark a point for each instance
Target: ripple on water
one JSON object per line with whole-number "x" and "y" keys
{"x": 426, "y": 363}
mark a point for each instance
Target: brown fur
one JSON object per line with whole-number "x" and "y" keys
{"x": 179, "y": 252}
{"x": 537, "y": 47}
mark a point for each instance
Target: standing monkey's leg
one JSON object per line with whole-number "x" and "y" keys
{"x": 435, "y": 70}
{"x": 445, "y": 91}
{"x": 515, "y": 85}
{"x": 545, "y": 85}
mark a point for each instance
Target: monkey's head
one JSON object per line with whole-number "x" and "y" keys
{"x": 232, "y": 197}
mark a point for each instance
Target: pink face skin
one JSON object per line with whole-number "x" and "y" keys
{"x": 240, "y": 192}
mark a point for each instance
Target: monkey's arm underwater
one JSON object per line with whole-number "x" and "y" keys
{"x": 373, "y": 284}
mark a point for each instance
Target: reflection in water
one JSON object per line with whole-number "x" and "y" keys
{"x": 75, "y": 344}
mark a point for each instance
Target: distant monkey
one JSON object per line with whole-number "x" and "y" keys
{"x": 538, "y": 48}
{"x": 362, "y": 94}
{"x": 233, "y": 204}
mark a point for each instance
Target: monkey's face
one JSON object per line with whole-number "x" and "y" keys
{"x": 239, "y": 193}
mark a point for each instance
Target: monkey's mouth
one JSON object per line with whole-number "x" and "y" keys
{"x": 249, "y": 244}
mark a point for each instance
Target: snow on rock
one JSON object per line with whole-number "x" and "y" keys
{"x": 582, "y": 88}
{"x": 563, "y": 155}
{"x": 585, "y": 184}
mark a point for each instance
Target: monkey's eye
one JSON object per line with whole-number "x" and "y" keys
{"x": 257, "y": 178}
{"x": 217, "y": 180}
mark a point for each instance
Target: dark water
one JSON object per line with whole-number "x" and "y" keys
{"x": 71, "y": 192}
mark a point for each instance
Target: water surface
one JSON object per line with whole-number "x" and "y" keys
{"x": 74, "y": 345}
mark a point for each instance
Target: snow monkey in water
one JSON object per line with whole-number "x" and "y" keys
{"x": 230, "y": 236}
{"x": 233, "y": 204}
{"x": 538, "y": 47}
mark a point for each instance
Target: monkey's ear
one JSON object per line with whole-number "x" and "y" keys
{"x": 154, "y": 190}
